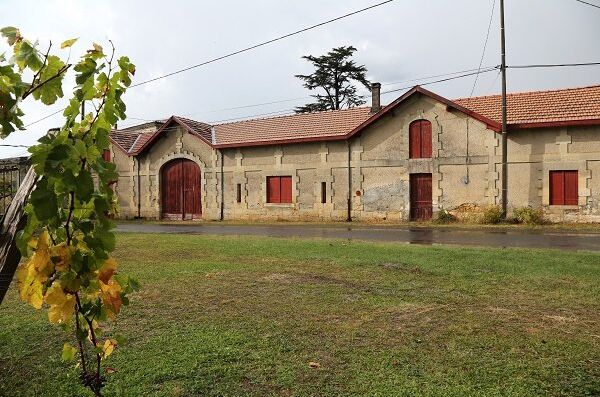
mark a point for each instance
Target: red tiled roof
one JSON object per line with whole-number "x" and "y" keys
{"x": 565, "y": 105}
{"x": 525, "y": 110}
{"x": 128, "y": 139}
{"x": 305, "y": 126}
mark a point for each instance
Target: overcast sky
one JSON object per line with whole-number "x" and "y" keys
{"x": 403, "y": 40}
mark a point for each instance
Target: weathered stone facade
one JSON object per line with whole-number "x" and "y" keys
{"x": 465, "y": 168}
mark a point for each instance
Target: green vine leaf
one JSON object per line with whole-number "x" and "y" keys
{"x": 52, "y": 78}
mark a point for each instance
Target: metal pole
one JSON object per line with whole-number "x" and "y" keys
{"x": 222, "y": 189}
{"x": 504, "y": 111}
{"x": 349, "y": 204}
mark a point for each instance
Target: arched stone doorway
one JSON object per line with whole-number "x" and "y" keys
{"x": 180, "y": 190}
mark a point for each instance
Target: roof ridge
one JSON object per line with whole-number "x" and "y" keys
{"x": 293, "y": 115}
{"x": 528, "y": 92}
{"x": 195, "y": 121}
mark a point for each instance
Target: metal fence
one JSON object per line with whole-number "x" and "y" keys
{"x": 12, "y": 172}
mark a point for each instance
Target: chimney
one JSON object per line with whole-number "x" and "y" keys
{"x": 376, "y": 97}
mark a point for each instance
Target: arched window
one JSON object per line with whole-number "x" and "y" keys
{"x": 419, "y": 139}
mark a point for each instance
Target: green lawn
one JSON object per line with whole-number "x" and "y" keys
{"x": 237, "y": 316}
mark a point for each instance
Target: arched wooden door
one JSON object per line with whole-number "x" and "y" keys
{"x": 180, "y": 184}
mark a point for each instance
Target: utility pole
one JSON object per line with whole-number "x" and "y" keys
{"x": 504, "y": 111}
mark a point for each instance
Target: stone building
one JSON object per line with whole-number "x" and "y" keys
{"x": 407, "y": 160}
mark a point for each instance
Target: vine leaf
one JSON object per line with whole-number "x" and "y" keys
{"x": 51, "y": 78}
{"x": 68, "y": 352}
{"x": 68, "y": 43}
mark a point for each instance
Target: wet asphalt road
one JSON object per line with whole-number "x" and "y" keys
{"x": 500, "y": 238}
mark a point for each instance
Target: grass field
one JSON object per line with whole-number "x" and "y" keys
{"x": 237, "y": 316}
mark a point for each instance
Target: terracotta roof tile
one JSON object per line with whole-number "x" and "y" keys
{"x": 198, "y": 127}
{"x": 570, "y": 104}
{"x": 131, "y": 138}
{"x": 298, "y": 126}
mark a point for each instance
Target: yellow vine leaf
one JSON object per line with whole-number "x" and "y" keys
{"x": 61, "y": 256}
{"x": 40, "y": 260}
{"x": 62, "y": 305}
{"x": 111, "y": 297}
{"x": 30, "y": 288}
{"x": 108, "y": 347}
{"x": 107, "y": 270}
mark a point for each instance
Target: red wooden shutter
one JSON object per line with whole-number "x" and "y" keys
{"x": 106, "y": 155}
{"x": 564, "y": 189}
{"x": 419, "y": 139}
{"x": 425, "y": 139}
{"x": 273, "y": 189}
{"x": 557, "y": 188}
{"x": 571, "y": 191}
{"x": 286, "y": 189}
{"x": 414, "y": 140}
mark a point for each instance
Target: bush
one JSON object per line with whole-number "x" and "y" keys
{"x": 528, "y": 215}
{"x": 444, "y": 217}
{"x": 492, "y": 215}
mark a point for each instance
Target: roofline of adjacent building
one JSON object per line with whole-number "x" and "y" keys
{"x": 528, "y": 92}
{"x": 551, "y": 124}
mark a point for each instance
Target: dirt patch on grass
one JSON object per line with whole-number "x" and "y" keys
{"x": 314, "y": 278}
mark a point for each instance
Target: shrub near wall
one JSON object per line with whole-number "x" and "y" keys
{"x": 528, "y": 215}
{"x": 491, "y": 215}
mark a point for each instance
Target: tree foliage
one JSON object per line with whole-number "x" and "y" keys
{"x": 68, "y": 239}
{"x": 336, "y": 74}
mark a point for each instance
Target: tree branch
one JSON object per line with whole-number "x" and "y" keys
{"x": 32, "y": 88}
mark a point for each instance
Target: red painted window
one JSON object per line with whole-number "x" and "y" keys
{"x": 419, "y": 139}
{"x": 563, "y": 188}
{"x": 106, "y": 155}
{"x": 279, "y": 189}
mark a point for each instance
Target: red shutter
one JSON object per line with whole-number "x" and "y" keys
{"x": 106, "y": 155}
{"x": 425, "y": 139}
{"x": 273, "y": 189}
{"x": 286, "y": 189}
{"x": 557, "y": 188}
{"x": 571, "y": 191}
{"x": 419, "y": 139}
{"x": 414, "y": 140}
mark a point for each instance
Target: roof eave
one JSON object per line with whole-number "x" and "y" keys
{"x": 553, "y": 124}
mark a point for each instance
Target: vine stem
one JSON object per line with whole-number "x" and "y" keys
{"x": 81, "y": 351}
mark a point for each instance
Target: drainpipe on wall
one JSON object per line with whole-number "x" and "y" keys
{"x": 222, "y": 189}
{"x": 349, "y": 219}
{"x": 139, "y": 189}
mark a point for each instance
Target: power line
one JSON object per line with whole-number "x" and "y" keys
{"x": 589, "y": 4}
{"x": 553, "y": 65}
{"x": 442, "y": 80}
{"x": 264, "y": 43}
{"x": 45, "y": 117}
{"x": 308, "y": 96}
{"x": 8, "y": 145}
{"x": 484, "y": 70}
{"x": 487, "y": 37}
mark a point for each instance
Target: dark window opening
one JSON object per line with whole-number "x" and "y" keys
{"x": 323, "y": 192}
{"x": 239, "y": 193}
{"x": 279, "y": 189}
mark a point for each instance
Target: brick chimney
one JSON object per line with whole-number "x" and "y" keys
{"x": 376, "y": 97}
